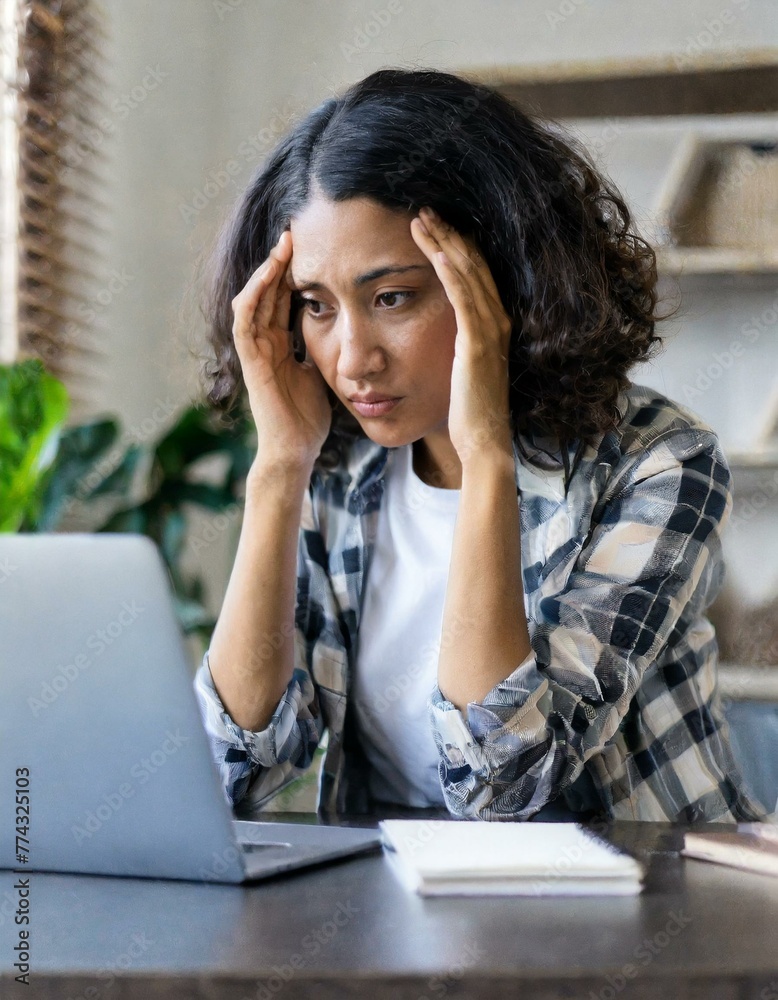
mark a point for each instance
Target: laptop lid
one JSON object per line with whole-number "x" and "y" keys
{"x": 101, "y": 729}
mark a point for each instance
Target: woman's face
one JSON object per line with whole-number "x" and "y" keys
{"x": 375, "y": 316}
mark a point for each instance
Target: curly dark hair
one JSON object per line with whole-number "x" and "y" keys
{"x": 578, "y": 282}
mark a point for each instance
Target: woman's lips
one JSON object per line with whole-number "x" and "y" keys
{"x": 376, "y": 409}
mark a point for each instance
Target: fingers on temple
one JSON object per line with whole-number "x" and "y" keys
{"x": 259, "y": 302}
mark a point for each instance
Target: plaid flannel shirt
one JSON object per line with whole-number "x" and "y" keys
{"x": 616, "y": 707}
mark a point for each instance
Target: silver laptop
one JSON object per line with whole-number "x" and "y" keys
{"x": 106, "y": 767}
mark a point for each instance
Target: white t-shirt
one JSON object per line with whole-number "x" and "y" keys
{"x": 399, "y": 634}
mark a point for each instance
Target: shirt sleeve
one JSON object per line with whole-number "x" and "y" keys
{"x": 653, "y": 554}
{"x": 268, "y": 759}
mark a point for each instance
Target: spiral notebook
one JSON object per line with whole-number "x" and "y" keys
{"x": 471, "y": 858}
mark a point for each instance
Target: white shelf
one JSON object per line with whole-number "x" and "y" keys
{"x": 752, "y": 461}
{"x": 714, "y": 260}
{"x": 741, "y": 682}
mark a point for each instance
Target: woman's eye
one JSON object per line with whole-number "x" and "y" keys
{"x": 307, "y": 303}
{"x": 394, "y": 295}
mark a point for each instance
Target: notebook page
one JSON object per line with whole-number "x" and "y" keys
{"x": 451, "y": 848}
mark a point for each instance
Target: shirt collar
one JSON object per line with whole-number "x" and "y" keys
{"x": 364, "y": 469}
{"x": 544, "y": 475}
{"x": 541, "y": 478}
{"x": 367, "y": 463}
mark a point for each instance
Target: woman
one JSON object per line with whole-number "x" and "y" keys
{"x": 471, "y": 549}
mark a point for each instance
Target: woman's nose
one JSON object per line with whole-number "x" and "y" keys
{"x": 360, "y": 355}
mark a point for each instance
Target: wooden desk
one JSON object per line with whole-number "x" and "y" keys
{"x": 350, "y": 930}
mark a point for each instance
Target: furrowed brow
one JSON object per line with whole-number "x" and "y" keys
{"x": 363, "y": 279}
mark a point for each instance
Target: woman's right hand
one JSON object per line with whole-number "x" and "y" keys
{"x": 288, "y": 398}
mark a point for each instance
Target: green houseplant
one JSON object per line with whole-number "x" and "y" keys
{"x": 33, "y": 408}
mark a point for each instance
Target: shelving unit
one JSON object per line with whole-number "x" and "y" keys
{"x": 717, "y": 211}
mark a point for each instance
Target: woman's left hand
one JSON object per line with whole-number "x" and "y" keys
{"x": 479, "y": 413}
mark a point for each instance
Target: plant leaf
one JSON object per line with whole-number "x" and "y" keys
{"x": 75, "y": 468}
{"x": 33, "y": 408}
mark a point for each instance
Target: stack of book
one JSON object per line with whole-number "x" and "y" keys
{"x": 471, "y": 858}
